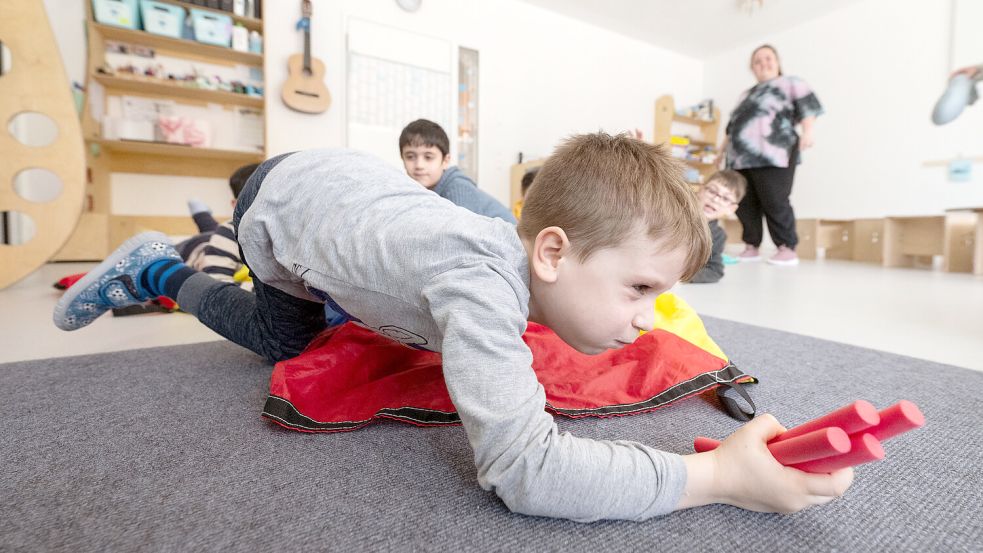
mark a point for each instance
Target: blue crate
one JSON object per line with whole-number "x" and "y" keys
{"x": 162, "y": 19}
{"x": 212, "y": 28}
{"x": 119, "y": 13}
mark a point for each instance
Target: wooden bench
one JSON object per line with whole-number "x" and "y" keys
{"x": 964, "y": 240}
{"x": 868, "y": 241}
{"x": 832, "y": 236}
{"x": 913, "y": 239}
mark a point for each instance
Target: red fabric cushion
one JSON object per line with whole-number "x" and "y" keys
{"x": 349, "y": 377}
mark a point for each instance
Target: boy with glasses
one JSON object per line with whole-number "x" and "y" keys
{"x": 718, "y": 198}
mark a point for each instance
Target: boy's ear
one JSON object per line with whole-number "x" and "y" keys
{"x": 549, "y": 249}
{"x": 446, "y": 162}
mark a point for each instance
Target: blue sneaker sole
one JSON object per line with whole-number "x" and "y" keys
{"x": 93, "y": 276}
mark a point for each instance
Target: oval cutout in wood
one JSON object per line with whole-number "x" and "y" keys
{"x": 5, "y": 59}
{"x": 32, "y": 128}
{"x": 16, "y": 228}
{"x": 38, "y": 185}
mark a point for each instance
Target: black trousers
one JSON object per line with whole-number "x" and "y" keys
{"x": 768, "y": 190}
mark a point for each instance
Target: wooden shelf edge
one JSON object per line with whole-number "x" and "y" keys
{"x": 177, "y": 44}
{"x": 946, "y": 162}
{"x": 699, "y": 164}
{"x": 175, "y": 150}
{"x": 691, "y": 120}
{"x": 172, "y": 90}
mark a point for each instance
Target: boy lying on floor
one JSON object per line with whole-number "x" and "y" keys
{"x": 608, "y": 226}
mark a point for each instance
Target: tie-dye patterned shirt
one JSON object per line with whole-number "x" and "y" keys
{"x": 761, "y": 130}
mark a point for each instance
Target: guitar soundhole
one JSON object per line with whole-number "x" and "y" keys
{"x": 310, "y": 94}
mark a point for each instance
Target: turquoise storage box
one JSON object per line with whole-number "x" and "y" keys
{"x": 162, "y": 19}
{"x": 119, "y": 13}
{"x": 211, "y": 28}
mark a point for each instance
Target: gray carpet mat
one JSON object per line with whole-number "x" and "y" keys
{"x": 164, "y": 450}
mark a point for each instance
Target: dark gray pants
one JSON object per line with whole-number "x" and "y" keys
{"x": 768, "y": 190}
{"x": 268, "y": 321}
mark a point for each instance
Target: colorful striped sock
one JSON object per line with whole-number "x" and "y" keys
{"x": 165, "y": 277}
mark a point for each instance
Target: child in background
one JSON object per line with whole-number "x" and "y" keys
{"x": 608, "y": 226}
{"x": 202, "y": 214}
{"x": 214, "y": 251}
{"x": 526, "y": 182}
{"x": 719, "y": 197}
{"x": 426, "y": 154}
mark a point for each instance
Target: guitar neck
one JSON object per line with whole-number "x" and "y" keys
{"x": 307, "y": 51}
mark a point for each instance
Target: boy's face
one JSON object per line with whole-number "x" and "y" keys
{"x": 602, "y": 303}
{"x": 717, "y": 200}
{"x": 425, "y": 164}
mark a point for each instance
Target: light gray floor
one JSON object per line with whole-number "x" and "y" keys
{"x": 916, "y": 312}
{"x": 920, "y": 313}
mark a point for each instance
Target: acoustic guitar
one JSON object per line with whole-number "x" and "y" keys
{"x": 304, "y": 89}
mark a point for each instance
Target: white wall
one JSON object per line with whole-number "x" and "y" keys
{"x": 542, "y": 76}
{"x": 877, "y": 67}
{"x": 67, "y": 20}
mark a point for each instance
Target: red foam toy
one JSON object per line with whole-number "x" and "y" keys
{"x": 806, "y": 447}
{"x": 818, "y": 444}
{"x": 897, "y": 419}
{"x": 855, "y": 417}
{"x": 864, "y": 448}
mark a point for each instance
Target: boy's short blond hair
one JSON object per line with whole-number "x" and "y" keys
{"x": 731, "y": 180}
{"x": 598, "y": 188}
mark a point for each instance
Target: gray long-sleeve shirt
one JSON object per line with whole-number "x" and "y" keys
{"x": 343, "y": 226}
{"x": 458, "y": 188}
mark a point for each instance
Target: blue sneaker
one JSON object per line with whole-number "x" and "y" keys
{"x": 113, "y": 283}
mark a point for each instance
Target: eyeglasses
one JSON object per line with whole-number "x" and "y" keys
{"x": 718, "y": 197}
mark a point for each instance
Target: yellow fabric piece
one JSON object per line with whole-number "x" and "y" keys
{"x": 242, "y": 275}
{"x": 675, "y": 315}
{"x": 517, "y": 209}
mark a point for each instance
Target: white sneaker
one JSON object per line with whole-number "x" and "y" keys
{"x": 786, "y": 256}
{"x": 750, "y": 253}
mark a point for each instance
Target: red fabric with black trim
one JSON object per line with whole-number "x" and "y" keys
{"x": 349, "y": 377}
{"x": 64, "y": 283}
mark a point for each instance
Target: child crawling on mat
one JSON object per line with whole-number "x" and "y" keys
{"x": 608, "y": 226}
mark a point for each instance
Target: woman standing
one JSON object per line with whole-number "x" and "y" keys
{"x": 762, "y": 144}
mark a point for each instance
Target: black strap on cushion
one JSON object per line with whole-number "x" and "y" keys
{"x": 731, "y": 405}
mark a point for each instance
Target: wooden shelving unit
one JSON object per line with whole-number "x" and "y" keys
{"x": 100, "y": 230}
{"x": 705, "y": 135}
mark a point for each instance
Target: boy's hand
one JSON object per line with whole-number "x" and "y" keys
{"x": 743, "y": 473}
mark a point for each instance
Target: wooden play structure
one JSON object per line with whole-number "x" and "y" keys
{"x": 35, "y": 84}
